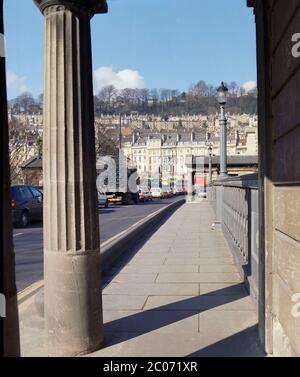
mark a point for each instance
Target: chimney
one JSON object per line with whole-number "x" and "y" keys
{"x": 192, "y": 136}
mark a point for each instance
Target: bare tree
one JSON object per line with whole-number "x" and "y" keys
{"x": 211, "y": 91}
{"x": 164, "y": 94}
{"x": 40, "y": 101}
{"x": 199, "y": 89}
{"x": 106, "y": 142}
{"x": 154, "y": 95}
{"x": 107, "y": 94}
{"x": 233, "y": 89}
{"x": 22, "y": 145}
{"x": 25, "y": 102}
{"x": 175, "y": 94}
{"x": 242, "y": 91}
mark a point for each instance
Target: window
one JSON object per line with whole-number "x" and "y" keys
{"x": 36, "y": 193}
{"x": 25, "y": 193}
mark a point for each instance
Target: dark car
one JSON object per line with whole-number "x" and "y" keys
{"x": 27, "y": 205}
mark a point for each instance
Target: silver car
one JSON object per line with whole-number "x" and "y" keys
{"x": 102, "y": 199}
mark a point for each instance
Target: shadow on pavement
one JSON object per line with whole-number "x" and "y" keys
{"x": 244, "y": 343}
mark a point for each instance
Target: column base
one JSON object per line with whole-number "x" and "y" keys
{"x": 73, "y": 303}
{"x": 223, "y": 176}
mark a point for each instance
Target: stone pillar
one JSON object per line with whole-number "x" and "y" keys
{"x": 73, "y": 305}
{"x": 10, "y": 345}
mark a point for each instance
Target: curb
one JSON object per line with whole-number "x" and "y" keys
{"x": 114, "y": 249}
{"x": 28, "y": 292}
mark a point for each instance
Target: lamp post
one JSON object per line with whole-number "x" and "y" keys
{"x": 222, "y": 99}
{"x": 121, "y": 121}
{"x": 210, "y": 163}
{"x": 120, "y": 131}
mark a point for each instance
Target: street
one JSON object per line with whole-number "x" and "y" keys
{"x": 115, "y": 219}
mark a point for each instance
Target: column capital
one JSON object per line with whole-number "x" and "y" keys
{"x": 90, "y": 6}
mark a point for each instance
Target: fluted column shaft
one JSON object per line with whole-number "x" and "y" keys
{"x": 73, "y": 307}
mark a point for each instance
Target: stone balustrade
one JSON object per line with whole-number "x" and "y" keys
{"x": 235, "y": 203}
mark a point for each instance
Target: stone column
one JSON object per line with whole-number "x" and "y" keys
{"x": 73, "y": 305}
{"x": 10, "y": 345}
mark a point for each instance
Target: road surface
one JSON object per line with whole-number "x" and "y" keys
{"x": 28, "y": 242}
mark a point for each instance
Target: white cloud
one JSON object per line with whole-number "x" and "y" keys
{"x": 15, "y": 84}
{"x": 249, "y": 86}
{"x": 127, "y": 78}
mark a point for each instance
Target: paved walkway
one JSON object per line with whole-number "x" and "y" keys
{"x": 178, "y": 294}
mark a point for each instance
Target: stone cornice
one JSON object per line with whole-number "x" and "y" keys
{"x": 90, "y": 6}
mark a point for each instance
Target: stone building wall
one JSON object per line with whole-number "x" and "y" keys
{"x": 279, "y": 154}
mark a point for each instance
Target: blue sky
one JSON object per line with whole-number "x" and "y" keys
{"x": 152, "y": 43}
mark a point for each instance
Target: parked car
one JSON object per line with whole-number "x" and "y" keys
{"x": 145, "y": 194}
{"x": 102, "y": 199}
{"x": 184, "y": 191}
{"x": 122, "y": 197}
{"x": 167, "y": 192}
{"x": 26, "y": 204}
{"x": 157, "y": 192}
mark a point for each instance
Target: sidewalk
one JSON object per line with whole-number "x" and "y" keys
{"x": 178, "y": 294}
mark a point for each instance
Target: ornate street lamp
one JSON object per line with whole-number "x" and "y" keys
{"x": 222, "y": 99}
{"x": 210, "y": 163}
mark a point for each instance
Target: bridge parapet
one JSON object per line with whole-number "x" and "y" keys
{"x": 235, "y": 203}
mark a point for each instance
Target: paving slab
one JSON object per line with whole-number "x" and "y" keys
{"x": 200, "y": 303}
{"x": 222, "y": 289}
{"x": 152, "y": 289}
{"x": 115, "y": 302}
{"x": 146, "y": 321}
{"x": 218, "y": 268}
{"x": 214, "y": 254}
{"x": 198, "y": 261}
{"x": 133, "y": 277}
{"x": 201, "y": 277}
{"x": 148, "y": 260}
{"x": 181, "y": 345}
{"x": 226, "y": 322}
{"x": 162, "y": 268}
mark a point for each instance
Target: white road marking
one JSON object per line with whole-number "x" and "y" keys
{"x": 18, "y": 234}
{"x": 128, "y": 229}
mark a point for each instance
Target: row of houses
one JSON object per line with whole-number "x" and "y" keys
{"x": 167, "y": 154}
